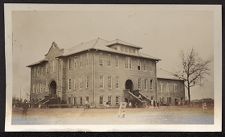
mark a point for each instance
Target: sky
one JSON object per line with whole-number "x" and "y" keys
{"x": 161, "y": 32}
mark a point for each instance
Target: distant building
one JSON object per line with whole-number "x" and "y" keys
{"x": 101, "y": 71}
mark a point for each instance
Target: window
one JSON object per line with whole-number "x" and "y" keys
{"x": 87, "y": 99}
{"x": 75, "y": 62}
{"x": 87, "y": 58}
{"x": 151, "y": 84}
{"x": 81, "y": 82}
{"x": 130, "y": 63}
{"x": 80, "y": 61}
{"x": 40, "y": 88}
{"x": 33, "y": 89}
{"x": 126, "y": 62}
{"x": 70, "y": 63}
{"x": 74, "y": 85}
{"x": 43, "y": 88}
{"x": 139, "y": 83}
{"x": 100, "y": 60}
{"x": 116, "y": 61}
{"x": 101, "y": 80}
{"x": 145, "y": 84}
{"x": 175, "y": 87}
{"x": 117, "y": 100}
{"x": 69, "y": 84}
{"x": 101, "y": 100}
{"x": 117, "y": 82}
{"x": 139, "y": 64}
{"x": 109, "y": 60}
{"x": 144, "y": 65}
{"x": 109, "y": 100}
{"x": 126, "y": 49}
{"x": 109, "y": 82}
{"x": 81, "y": 101}
{"x": 74, "y": 101}
{"x": 122, "y": 49}
{"x": 167, "y": 87}
{"x": 87, "y": 81}
{"x": 36, "y": 87}
{"x": 69, "y": 100}
{"x": 53, "y": 66}
{"x": 47, "y": 68}
{"x": 161, "y": 87}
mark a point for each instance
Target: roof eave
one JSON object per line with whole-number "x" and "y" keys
{"x": 170, "y": 79}
{"x": 37, "y": 63}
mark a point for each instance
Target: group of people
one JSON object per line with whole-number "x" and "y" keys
{"x": 152, "y": 103}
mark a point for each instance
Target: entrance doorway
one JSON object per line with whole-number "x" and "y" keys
{"x": 52, "y": 88}
{"x": 129, "y": 85}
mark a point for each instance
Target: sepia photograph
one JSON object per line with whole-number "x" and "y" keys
{"x": 77, "y": 67}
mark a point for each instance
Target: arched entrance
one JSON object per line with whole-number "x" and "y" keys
{"x": 129, "y": 85}
{"x": 52, "y": 88}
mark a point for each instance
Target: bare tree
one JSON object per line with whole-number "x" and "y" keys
{"x": 194, "y": 69}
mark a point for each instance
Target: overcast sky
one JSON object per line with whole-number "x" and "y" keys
{"x": 162, "y": 33}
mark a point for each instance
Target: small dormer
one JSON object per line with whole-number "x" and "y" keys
{"x": 124, "y": 47}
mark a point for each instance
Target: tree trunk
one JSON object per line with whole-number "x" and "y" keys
{"x": 189, "y": 96}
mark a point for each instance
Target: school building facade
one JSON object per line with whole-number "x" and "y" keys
{"x": 100, "y": 71}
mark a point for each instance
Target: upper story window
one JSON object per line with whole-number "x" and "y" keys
{"x": 109, "y": 60}
{"x": 175, "y": 87}
{"x": 126, "y": 49}
{"x": 79, "y": 61}
{"x": 70, "y": 63}
{"x": 87, "y": 81}
{"x": 47, "y": 68}
{"x": 116, "y": 61}
{"x": 74, "y": 85}
{"x": 101, "y": 80}
{"x": 167, "y": 88}
{"x": 139, "y": 64}
{"x": 75, "y": 62}
{"x": 117, "y": 82}
{"x": 151, "y": 83}
{"x": 161, "y": 87}
{"x": 144, "y": 65}
{"x": 69, "y": 84}
{"x": 122, "y": 49}
{"x": 109, "y": 82}
{"x": 87, "y": 59}
{"x": 100, "y": 60}
{"x": 53, "y": 66}
{"x": 145, "y": 84}
{"x": 126, "y": 62}
{"x": 130, "y": 62}
{"x": 139, "y": 83}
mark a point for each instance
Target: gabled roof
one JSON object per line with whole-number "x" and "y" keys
{"x": 101, "y": 44}
{"x": 53, "y": 45}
